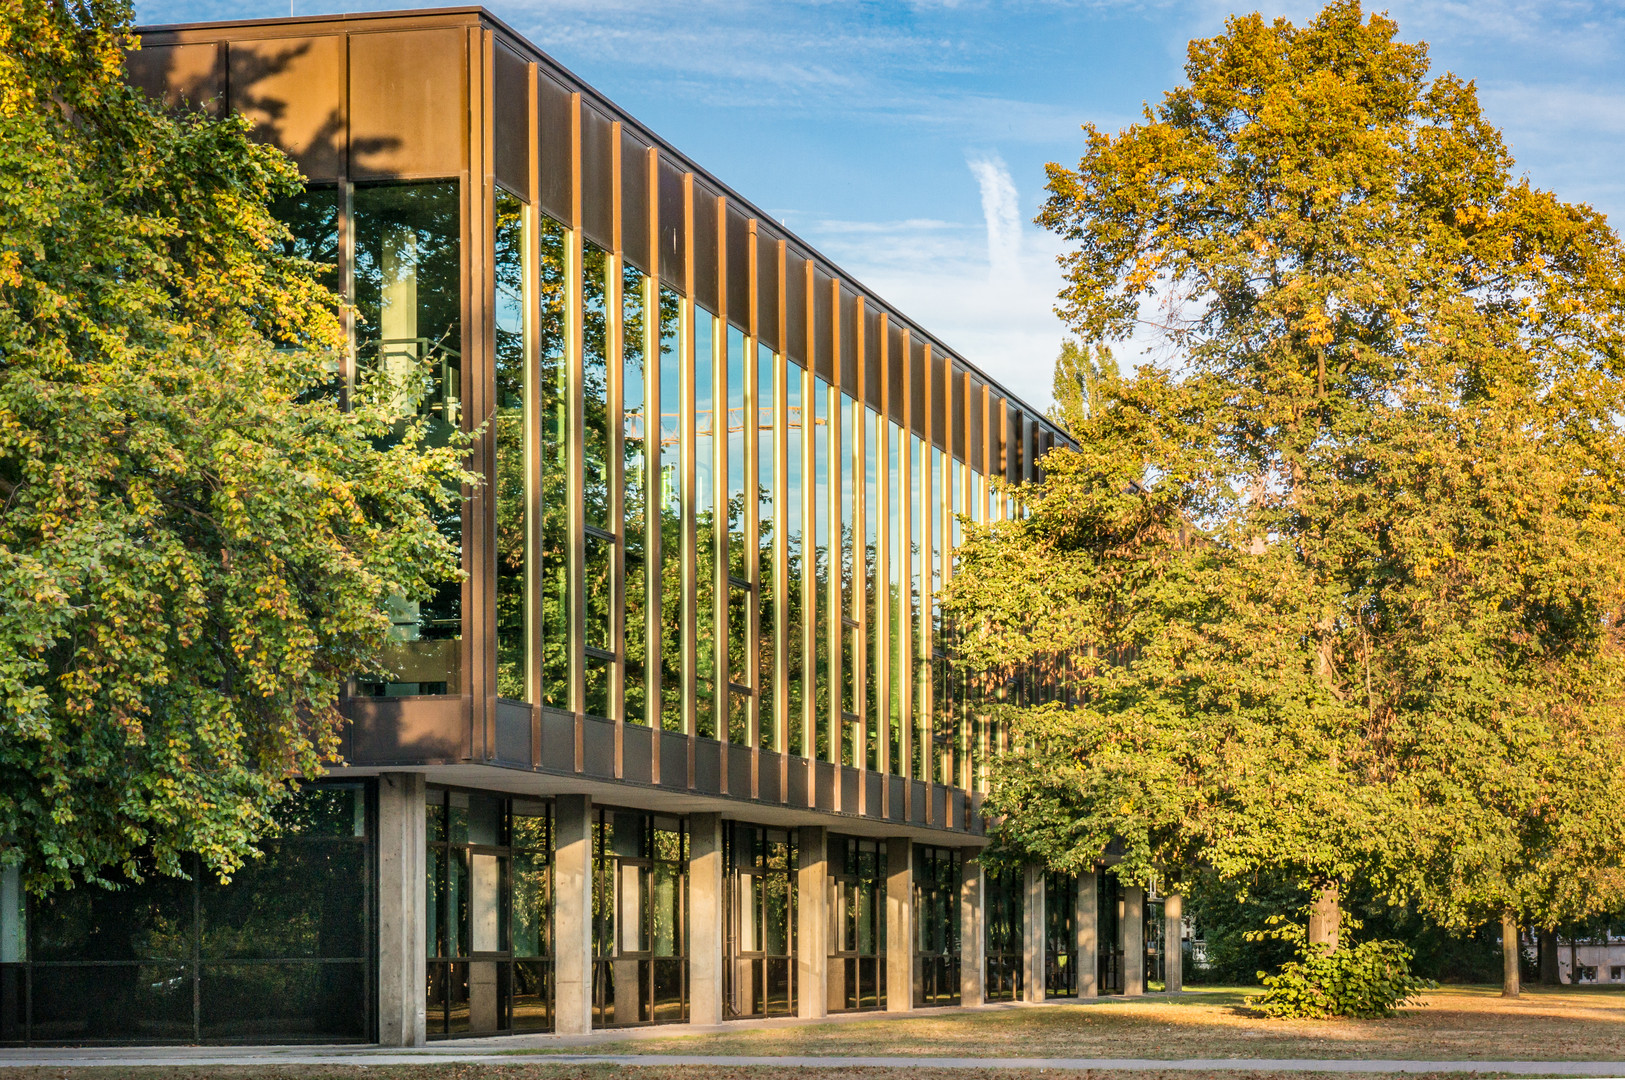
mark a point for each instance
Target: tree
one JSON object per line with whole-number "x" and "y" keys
{"x": 1341, "y": 590}
{"x": 1079, "y": 371}
{"x": 197, "y": 541}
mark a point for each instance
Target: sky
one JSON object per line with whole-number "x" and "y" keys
{"x": 907, "y": 140}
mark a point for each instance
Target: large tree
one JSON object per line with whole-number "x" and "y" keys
{"x": 196, "y": 541}
{"x": 1338, "y": 589}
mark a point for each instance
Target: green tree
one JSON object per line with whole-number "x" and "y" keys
{"x": 1079, "y": 373}
{"x": 1339, "y": 593}
{"x": 197, "y": 541}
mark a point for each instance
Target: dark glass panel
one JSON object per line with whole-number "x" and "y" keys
{"x": 532, "y": 1008}
{"x": 274, "y": 1002}
{"x": 795, "y": 562}
{"x": 671, "y": 512}
{"x": 634, "y": 473}
{"x": 297, "y": 900}
{"x": 765, "y": 415}
{"x": 147, "y": 921}
{"x": 595, "y": 360}
{"x": 112, "y": 1002}
{"x": 312, "y": 217}
{"x": 599, "y": 569}
{"x": 827, "y": 619}
{"x": 707, "y": 343}
{"x": 324, "y": 810}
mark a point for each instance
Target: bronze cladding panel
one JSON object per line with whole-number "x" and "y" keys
{"x": 671, "y": 235}
{"x": 597, "y": 178}
{"x": 408, "y": 103}
{"x": 896, "y": 365}
{"x": 513, "y": 730}
{"x": 510, "y": 117}
{"x": 767, "y": 288}
{"x": 850, "y": 326}
{"x": 400, "y": 730}
{"x": 553, "y": 119}
{"x": 873, "y": 376}
{"x": 1018, "y": 443}
{"x": 823, "y": 327}
{"x": 635, "y": 200}
{"x": 795, "y": 305}
{"x": 975, "y": 414}
{"x": 960, "y": 407}
{"x": 739, "y": 269}
{"x": 995, "y": 438}
{"x": 180, "y": 74}
{"x": 941, "y": 366}
{"x": 705, "y": 249}
{"x": 916, "y": 362}
{"x": 292, "y": 91}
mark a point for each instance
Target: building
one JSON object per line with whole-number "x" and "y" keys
{"x": 685, "y": 745}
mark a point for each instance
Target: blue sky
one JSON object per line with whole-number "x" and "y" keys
{"x": 907, "y": 140}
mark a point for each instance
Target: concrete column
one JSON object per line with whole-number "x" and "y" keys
{"x": 572, "y": 914}
{"x": 812, "y": 922}
{"x": 1173, "y": 964}
{"x": 900, "y": 930}
{"x": 1133, "y": 930}
{"x": 1088, "y": 935}
{"x": 705, "y": 908}
{"x": 402, "y": 910}
{"x": 972, "y": 934}
{"x": 1032, "y": 936}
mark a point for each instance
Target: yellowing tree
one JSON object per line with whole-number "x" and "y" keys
{"x": 1341, "y": 589}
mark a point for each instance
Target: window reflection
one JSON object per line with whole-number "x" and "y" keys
{"x": 937, "y": 873}
{"x": 640, "y": 918}
{"x": 670, "y": 465}
{"x": 512, "y": 481}
{"x": 553, "y": 405}
{"x": 766, "y": 537}
{"x": 635, "y": 493}
{"x": 408, "y": 299}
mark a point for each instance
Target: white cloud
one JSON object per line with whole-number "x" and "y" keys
{"x": 999, "y": 214}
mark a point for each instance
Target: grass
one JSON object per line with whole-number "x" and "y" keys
{"x": 1465, "y": 1023}
{"x": 451, "y": 1071}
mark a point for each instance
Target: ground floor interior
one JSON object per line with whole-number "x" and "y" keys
{"x": 395, "y": 909}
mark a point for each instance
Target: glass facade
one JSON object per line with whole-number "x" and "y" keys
{"x": 281, "y": 953}
{"x": 937, "y": 873}
{"x": 1005, "y": 896}
{"x": 1109, "y": 934}
{"x": 1060, "y": 935}
{"x": 857, "y": 959}
{"x": 759, "y": 966}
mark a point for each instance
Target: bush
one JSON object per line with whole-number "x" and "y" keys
{"x": 1363, "y": 981}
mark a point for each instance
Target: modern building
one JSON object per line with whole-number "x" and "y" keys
{"x": 685, "y": 744}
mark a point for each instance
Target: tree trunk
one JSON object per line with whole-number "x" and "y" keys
{"x": 1325, "y": 919}
{"x": 1548, "y": 958}
{"x": 1574, "y": 961}
{"x": 1510, "y": 949}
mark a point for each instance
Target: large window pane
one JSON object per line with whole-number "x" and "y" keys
{"x": 828, "y": 620}
{"x": 766, "y": 538}
{"x": 635, "y": 492}
{"x": 797, "y": 565}
{"x": 595, "y": 326}
{"x": 919, "y": 461}
{"x": 874, "y": 431}
{"x": 512, "y": 487}
{"x": 706, "y": 346}
{"x": 408, "y": 299}
{"x": 898, "y": 594}
{"x": 553, "y": 403}
{"x": 671, "y": 512}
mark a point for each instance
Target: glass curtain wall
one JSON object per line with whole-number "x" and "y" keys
{"x": 282, "y": 953}
{"x": 937, "y": 874}
{"x": 511, "y": 482}
{"x": 739, "y": 425}
{"x": 857, "y": 960}
{"x": 703, "y": 450}
{"x": 770, "y": 730}
{"x": 639, "y": 918}
{"x": 1156, "y": 939}
{"x": 798, "y": 574}
{"x": 1060, "y": 935}
{"x": 874, "y": 717}
{"x": 489, "y": 909}
{"x": 408, "y": 300}
{"x": 553, "y": 398}
{"x": 826, "y": 620}
{"x": 760, "y": 962}
{"x": 1004, "y": 915}
{"x": 898, "y": 616}
{"x": 850, "y": 602}
{"x": 670, "y": 502}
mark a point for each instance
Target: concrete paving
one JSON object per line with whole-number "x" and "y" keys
{"x": 124, "y": 1057}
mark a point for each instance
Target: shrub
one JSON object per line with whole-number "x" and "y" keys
{"x": 1364, "y": 981}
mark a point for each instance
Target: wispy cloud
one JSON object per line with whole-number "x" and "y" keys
{"x": 1000, "y": 216}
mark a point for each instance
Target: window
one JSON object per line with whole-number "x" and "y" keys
{"x": 666, "y": 461}
{"x": 706, "y": 523}
{"x": 408, "y": 299}
{"x": 598, "y": 327}
{"x": 1004, "y": 911}
{"x": 512, "y": 482}
{"x": 937, "y": 873}
{"x": 857, "y": 961}
{"x": 489, "y": 910}
{"x": 766, "y": 412}
{"x": 286, "y": 943}
{"x": 635, "y": 493}
{"x": 898, "y": 601}
{"x": 639, "y": 918}
{"x": 826, "y": 613}
{"x": 1060, "y": 935}
{"x": 760, "y": 876}
{"x": 874, "y": 431}
{"x": 798, "y": 567}
{"x": 553, "y": 404}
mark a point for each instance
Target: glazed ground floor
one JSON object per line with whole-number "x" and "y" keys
{"x": 406, "y": 906}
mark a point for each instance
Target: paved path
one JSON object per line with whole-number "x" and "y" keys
{"x": 127, "y": 1058}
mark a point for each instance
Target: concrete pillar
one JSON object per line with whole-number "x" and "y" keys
{"x": 1088, "y": 935}
{"x": 901, "y": 934}
{"x": 1133, "y": 924}
{"x": 572, "y": 914}
{"x": 1173, "y": 964}
{"x": 812, "y": 923}
{"x": 1033, "y": 946}
{"x": 402, "y": 910}
{"x": 705, "y": 909}
{"x": 972, "y": 934}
